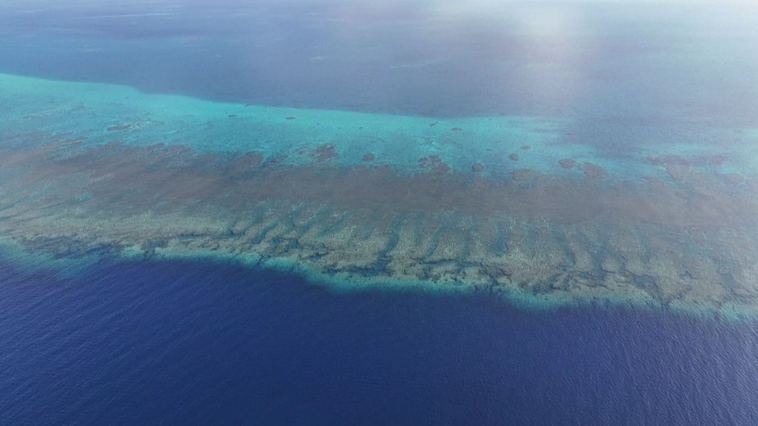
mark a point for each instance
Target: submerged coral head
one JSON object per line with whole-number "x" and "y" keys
{"x": 119, "y": 127}
{"x": 324, "y": 152}
{"x": 593, "y": 171}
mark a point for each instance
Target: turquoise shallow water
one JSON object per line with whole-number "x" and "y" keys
{"x": 106, "y": 113}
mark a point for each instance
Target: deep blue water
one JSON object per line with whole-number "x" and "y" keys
{"x": 192, "y": 343}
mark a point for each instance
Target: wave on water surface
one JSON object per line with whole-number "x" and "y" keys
{"x": 489, "y": 204}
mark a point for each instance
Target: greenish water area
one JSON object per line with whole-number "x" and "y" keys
{"x": 550, "y": 155}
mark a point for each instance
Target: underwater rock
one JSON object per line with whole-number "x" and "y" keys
{"x": 712, "y": 160}
{"x": 678, "y": 172}
{"x": 567, "y": 163}
{"x": 368, "y": 157}
{"x": 433, "y": 163}
{"x": 593, "y": 171}
{"x": 667, "y": 160}
{"x": 77, "y": 141}
{"x": 734, "y": 178}
{"x": 441, "y": 169}
{"x": 525, "y": 147}
{"x": 525, "y": 174}
{"x": 119, "y": 127}
{"x": 245, "y": 163}
{"x": 205, "y": 160}
{"x": 324, "y": 152}
{"x": 657, "y": 183}
{"x": 513, "y": 157}
{"x": 277, "y": 159}
{"x": 289, "y": 118}
{"x": 477, "y": 167}
{"x": 610, "y": 265}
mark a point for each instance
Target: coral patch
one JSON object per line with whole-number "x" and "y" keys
{"x": 593, "y": 171}
{"x": 119, "y": 127}
{"x": 324, "y": 152}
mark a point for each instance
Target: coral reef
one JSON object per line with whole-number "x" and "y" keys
{"x": 593, "y": 171}
{"x": 686, "y": 243}
{"x": 324, "y": 152}
{"x": 734, "y": 178}
{"x": 434, "y": 163}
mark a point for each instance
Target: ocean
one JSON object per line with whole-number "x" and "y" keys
{"x": 410, "y": 212}
{"x": 197, "y": 343}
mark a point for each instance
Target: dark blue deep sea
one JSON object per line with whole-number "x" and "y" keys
{"x": 194, "y": 343}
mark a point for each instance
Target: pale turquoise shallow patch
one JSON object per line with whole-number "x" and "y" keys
{"x": 89, "y": 109}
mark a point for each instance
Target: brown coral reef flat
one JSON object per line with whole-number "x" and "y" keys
{"x": 671, "y": 242}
